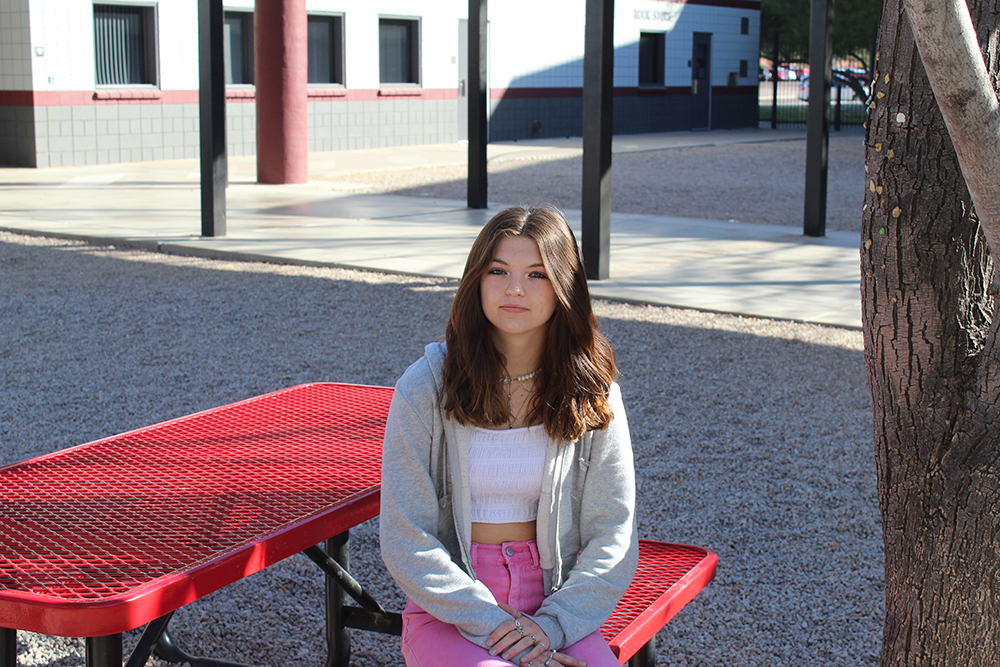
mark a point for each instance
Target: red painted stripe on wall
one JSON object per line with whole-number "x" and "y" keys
{"x": 621, "y": 91}
{"x": 50, "y": 98}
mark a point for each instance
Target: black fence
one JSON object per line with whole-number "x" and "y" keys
{"x": 784, "y": 102}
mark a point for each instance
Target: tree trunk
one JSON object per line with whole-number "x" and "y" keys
{"x": 931, "y": 363}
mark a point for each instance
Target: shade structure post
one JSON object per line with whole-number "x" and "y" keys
{"x": 818, "y": 116}
{"x": 478, "y": 126}
{"x": 598, "y": 102}
{"x": 212, "y": 117}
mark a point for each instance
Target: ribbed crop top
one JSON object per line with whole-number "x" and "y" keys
{"x": 505, "y": 473}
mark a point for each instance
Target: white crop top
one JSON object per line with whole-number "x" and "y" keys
{"x": 505, "y": 473}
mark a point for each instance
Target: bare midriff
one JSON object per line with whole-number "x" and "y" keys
{"x": 498, "y": 533}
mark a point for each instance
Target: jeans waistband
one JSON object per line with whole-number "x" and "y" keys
{"x": 509, "y": 552}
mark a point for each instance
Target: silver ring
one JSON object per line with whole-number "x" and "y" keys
{"x": 533, "y": 640}
{"x": 548, "y": 660}
{"x": 517, "y": 626}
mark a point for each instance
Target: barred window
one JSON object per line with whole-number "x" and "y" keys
{"x": 125, "y": 45}
{"x": 398, "y": 51}
{"x": 326, "y": 49}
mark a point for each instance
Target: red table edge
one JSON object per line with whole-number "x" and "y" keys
{"x": 81, "y": 618}
{"x": 645, "y": 626}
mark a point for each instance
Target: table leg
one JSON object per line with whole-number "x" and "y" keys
{"x": 8, "y": 647}
{"x": 645, "y": 656}
{"x": 338, "y": 636}
{"x": 104, "y": 651}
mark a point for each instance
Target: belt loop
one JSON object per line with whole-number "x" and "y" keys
{"x": 474, "y": 555}
{"x": 533, "y": 548}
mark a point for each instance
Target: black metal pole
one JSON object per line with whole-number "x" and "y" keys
{"x": 818, "y": 129}
{"x": 478, "y": 128}
{"x": 8, "y": 647}
{"x": 212, "y": 117}
{"x": 338, "y": 635}
{"x": 774, "y": 84}
{"x": 598, "y": 103}
{"x": 104, "y": 651}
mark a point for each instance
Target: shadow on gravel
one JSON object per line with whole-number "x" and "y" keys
{"x": 757, "y": 446}
{"x": 758, "y": 183}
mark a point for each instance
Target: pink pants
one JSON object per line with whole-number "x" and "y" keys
{"x": 512, "y": 574}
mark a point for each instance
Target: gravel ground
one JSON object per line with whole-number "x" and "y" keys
{"x": 752, "y": 437}
{"x": 758, "y": 183}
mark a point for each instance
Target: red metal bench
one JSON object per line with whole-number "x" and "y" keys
{"x": 668, "y": 577}
{"x": 106, "y": 537}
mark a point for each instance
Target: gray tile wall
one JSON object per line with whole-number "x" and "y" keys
{"x": 539, "y": 118}
{"x": 563, "y": 117}
{"x": 110, "y": 133}
{"x": 347, "y": 125}
{"x": 62, "y": 136}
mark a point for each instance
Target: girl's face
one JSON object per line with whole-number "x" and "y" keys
{"x": 516, "y": 293}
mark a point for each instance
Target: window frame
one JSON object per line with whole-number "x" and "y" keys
{"x": 338, "y": 54}
{"x": 150, "y": 47}
{"x": 658, "y": 58}
{"x": 413, "y": 24}
{"x": 246, "y": 18}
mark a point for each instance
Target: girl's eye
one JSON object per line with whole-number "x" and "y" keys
{"x": 496, "y": 272}
{"x": 540, "y": 275}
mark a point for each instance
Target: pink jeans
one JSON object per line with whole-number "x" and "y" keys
{"x": 512, "y": 574}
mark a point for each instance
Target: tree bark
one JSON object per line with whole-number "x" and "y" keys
{"x": 930, "y": 355}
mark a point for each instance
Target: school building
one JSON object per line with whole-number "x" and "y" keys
{"x": 104, "y": 81}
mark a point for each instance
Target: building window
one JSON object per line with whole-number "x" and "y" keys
{"x": 237, "y": 40}
{"x": 744, "y": 69}
{"x": 651, "y": 54}
{"x": 326, "y": 49}
{"x": 744, "y": 26}
{"x": 398, "y": 51}
{"x": 125, "y": 45}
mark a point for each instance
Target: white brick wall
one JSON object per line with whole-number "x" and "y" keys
{"x": 533, "y": 44}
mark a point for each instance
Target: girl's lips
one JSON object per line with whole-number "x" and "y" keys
{"x": 512, "y": 308}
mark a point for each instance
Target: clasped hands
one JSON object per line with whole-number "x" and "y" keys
{"x": 521, "y": 633}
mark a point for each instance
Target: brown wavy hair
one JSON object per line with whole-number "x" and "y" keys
{"x": 578, "y": 364}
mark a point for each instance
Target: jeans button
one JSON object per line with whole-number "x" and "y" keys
{"x": 509, "y": 551}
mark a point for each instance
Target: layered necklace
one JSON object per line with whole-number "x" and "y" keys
{"x": 507, "y": 382}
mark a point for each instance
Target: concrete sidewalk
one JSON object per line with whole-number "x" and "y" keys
{"x": 748, "y": 269}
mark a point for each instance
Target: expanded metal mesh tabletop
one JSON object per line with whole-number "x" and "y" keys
{"x": 104, "y": 537}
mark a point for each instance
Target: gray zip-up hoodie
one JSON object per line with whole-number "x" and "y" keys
{"x": 587, "y": 542}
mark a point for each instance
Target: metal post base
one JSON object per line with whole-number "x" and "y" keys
{"x": 645, "y": 656}
{"x": 8, "y": 647}
{"x": 104, "y": 651}
{"x": 169, "y": 651}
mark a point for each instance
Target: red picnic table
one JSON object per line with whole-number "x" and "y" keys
{"x": 102, "y": 538}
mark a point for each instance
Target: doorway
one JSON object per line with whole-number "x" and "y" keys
{"x": 701, "y": 81}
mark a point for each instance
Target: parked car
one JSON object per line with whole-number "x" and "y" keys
{"x": 785, "y": 73}
{"x": 852, "y": 88}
